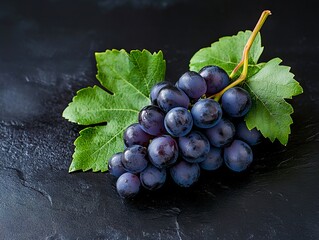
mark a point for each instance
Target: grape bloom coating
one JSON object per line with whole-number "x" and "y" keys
{"x": 184, "y": 132}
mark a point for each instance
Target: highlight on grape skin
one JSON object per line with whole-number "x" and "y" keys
{"x": 135, "y": 159}
{"x": 170, "y": 97}
{"x": 155, "y": 90}
{"x": 192, "y": 84}
{"x": 134, "y": 135}
{"x": 238, "y": 156}
{"x": 153, "y": 178}
{"x": 236, "y": 102}
{"x": 206, "y": 113}
{"x": 216, "y": 79}
{"x": 115, "y": 165}
{"x": 194, "y": 147}
{"x": 221, "y": 134}
{"x": 151, "y": 119}
{"x": 128, "y": 185}
{"x": 185, "y": 174}
{"x": 163, "y": 151}
{"x": 178, "y": 122}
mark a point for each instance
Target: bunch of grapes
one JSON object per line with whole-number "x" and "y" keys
{"x": 184, "y": 131}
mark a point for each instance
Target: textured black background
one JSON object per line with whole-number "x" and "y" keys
{"x": 47, "y": 54}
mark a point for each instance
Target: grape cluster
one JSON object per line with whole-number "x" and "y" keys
{"x": 184, "y": 131}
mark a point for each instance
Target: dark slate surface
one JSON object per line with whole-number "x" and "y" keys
{"x": 47, "y": 54}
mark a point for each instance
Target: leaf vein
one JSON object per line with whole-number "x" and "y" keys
{"x": 155, "y": 72}
{"x": 125, "y": 80}
{"x": 113, "y": 109}
{"x": 141, "y": 72}
{"x": 106, "y": 143}
{"x": 259, "y": 99}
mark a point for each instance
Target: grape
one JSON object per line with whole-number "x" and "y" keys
{"x": 155, "y": 90}
{"x": 192, "y": 84}
{"x": 213, "y": 160}
{"x": 252, "y": 137}
{"x": 151, "y": 119}
{"x": 216, "y": 79}
{"x": 238, "y": 156}
{"x": 135, "y": 135}
{"x": 128, "y": 185}
{"x": 134, "y": 159}
{"x": 115, "y": 165}
{"x": 153, "y": 178}
{"x": 206, "y": 113}
{"x": 183, "y": 133}
{"x": 170, "y": 97}
{"x": 163, "y": 151}
{"x": 194, "y": 147}
{"x": 236, "y": 102}
{"x": 178, "y": 122}
{"x": 221, "y": 134}
{"x": 184, "y": 173}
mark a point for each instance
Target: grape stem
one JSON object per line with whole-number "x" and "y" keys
{"x": 244, "y": 61}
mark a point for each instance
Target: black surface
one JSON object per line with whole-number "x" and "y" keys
{"x": 47, "y": 54}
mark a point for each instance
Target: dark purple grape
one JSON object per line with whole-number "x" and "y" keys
{"x": 194, "y": 147}
{"x": 236, "y": 102}
{"x": 252, "y": 137}
{"x": 151, "y": 119}
{"x": 221, "y": 134}
{"x": 192, "y": 84}
{"x": 216, "y": 79}
{"x": 155, "y": 90}
{"x": 115, "y": 165}
{"x": 135, "y": 135}
{"x": 153, "y": 178}
{"x": 206, "y": 113}
{"x": 128, "y": 185}
{"x": 163, "y": 151}
{"x": 213, "y": 160}
{"x": 185, "y": 174}
{"x": 238, "y": 156}
{"x": 170, "y": 97}
{"x": 135, "y": 158}
{"x": 178, "y": 122}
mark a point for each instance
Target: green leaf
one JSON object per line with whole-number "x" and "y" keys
{"x": 227, "y": 53}
{"x": 270, "y": 112}
{"x": 268, "y": 83}
{"x": 129, "y": 77}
